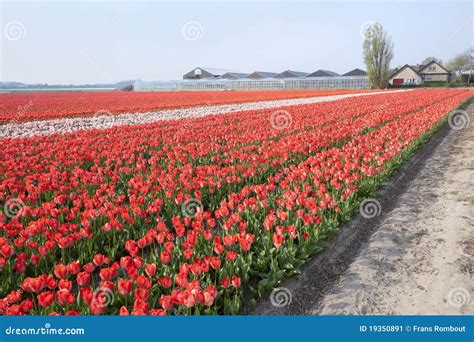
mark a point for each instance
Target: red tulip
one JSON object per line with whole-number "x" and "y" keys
{"x": 64, "y": 297}
{"x": 231, "y": 256}
{"x": 157, "y": 312}
{"x": 142, "y": 294}
{"x": 123, "y": 311}
{"x": 150, "y": 269}
{"x": 107, "y": 273}
{"x": 35, "y": 259}
{"x": 7, "y": 251}
{"x": 83, "y": 279}
{"x": 86, "y": 294}
{"x": 45, "y": 299}
{"x": 65, "y": 284}
{"x": 125, "y": 287}
{"x": 33, "y": 284}
{"x": 215, "y": 262}
{"x": 26, "y": 306}
{"x": 181, "y": 280}
{"x": 235, "y": 281}
{"x": 218, "y": 248}
{"x": 74, "y": 267}
{"x": 60, "y": 271}
{"x": 225, "y": 282}
{"x": 169, "y": 246}
{"x": 89, "y": 268}
{"x": 166, "y": 302}
{"x": 143, "y": 282}
{"x": 188, "y": 253}
{"x": 165, "y": 257}
{"x": 14, "y": 310}
{"x": 210, "y": 294}
{"x": 99, "y": 259}
{"x": 278, "y": 240}
{"x": 72, "y": 313}
{"x": 138, "y": 262}
{"x": 165, "y": 281}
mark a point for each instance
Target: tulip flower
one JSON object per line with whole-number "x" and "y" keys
{"x": 45, "y": 299}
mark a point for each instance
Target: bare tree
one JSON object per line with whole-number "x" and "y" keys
{"x": 430, "y": 59}
{"x": 378, "y": 53}
{"x": 462, "y": 64}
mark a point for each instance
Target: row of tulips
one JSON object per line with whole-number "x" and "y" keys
{"x": 254, "y": 237}
{"x": 102, "y": 211}
{"x": 21, "y": 107}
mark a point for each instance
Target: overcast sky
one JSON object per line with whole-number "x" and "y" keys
{"x": 102, "y": 41}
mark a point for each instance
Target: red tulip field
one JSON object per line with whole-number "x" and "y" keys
{"x": 56, "y": 105}
{"x": 193, "y": 216}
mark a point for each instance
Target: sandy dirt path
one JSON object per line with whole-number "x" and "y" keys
{"x": 421, "y": 259}
{"x": 415, "y": 258}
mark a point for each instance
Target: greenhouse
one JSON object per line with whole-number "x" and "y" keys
{"x": 306, "y": 83}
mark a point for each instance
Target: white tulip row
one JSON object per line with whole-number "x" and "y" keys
{"x": 67, "y": 125}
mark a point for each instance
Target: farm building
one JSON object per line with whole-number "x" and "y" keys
{"x": 205, "y": 73}
{"x": 323, "y": 73}
{"x": 203, "y": 78}
{"x": 213, "y": 73}
{"x": 256, "y": 75}
{"x": 356, "y": 72}
{"x": 234, "y": 75}
{"x": 291, "y": 74}
{"x": 409, "y": 74}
